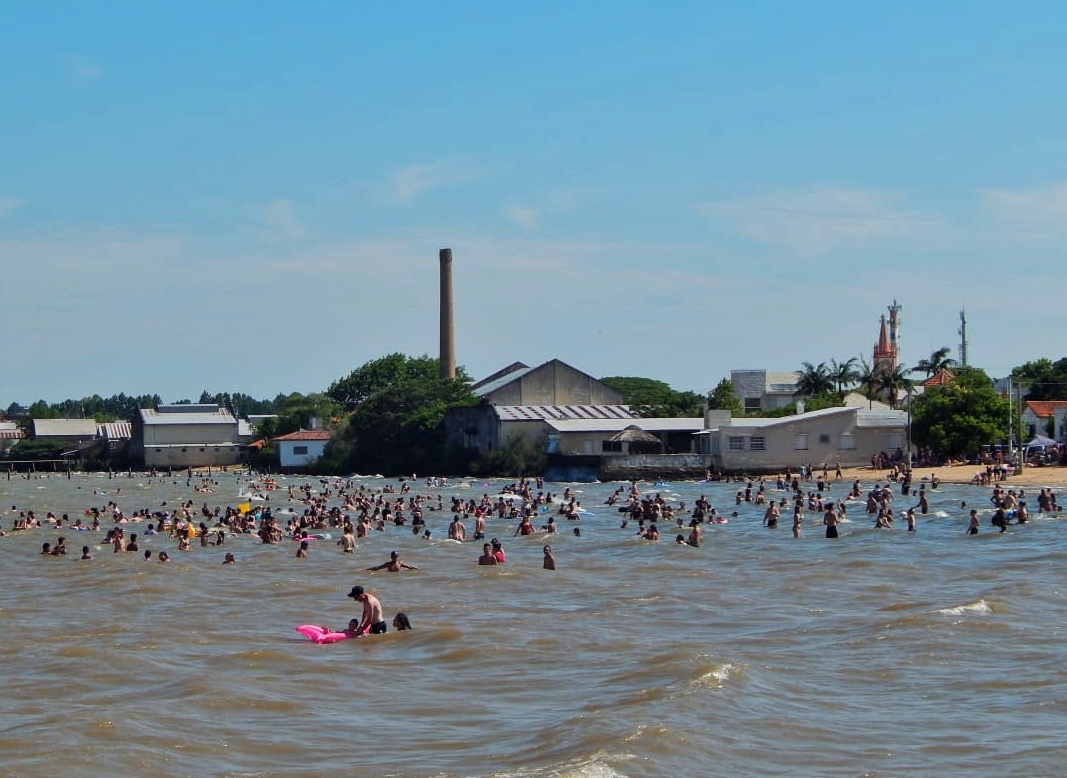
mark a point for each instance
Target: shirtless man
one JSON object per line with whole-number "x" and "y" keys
{"x": 456, "y": 530}
{"x": 372, "y": 620}
{"x": 830, "y": 520}
{"x": 394, "y": 565}
{"x": 487, "y": 557}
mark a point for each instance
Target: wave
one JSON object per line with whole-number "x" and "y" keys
{"x": 981, "y": 606}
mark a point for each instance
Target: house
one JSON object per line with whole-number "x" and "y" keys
{"x": 299, "y": 449}
{"x": 186, "y": 435}
{"x": 1045, "y": 417}
{"x": 10, "y": 434}
{"x": 759, "y": 390}
{"x": 848, "y": 436}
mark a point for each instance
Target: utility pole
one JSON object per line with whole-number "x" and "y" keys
{"x": 963, "y": 338}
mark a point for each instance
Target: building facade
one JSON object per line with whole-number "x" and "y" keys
{"x": 848, "y": 435}
{"x": 299, "y": 449}
{"x": 185, "y": 436}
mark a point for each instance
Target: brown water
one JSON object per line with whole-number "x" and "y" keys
{"x": 878, "y": 654}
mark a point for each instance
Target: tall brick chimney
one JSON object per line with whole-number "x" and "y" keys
{"x": 448, "y": 328}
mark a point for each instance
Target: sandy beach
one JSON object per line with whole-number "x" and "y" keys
{"x": 962, "y": 474}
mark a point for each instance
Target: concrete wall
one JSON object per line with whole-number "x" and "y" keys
{"x": 825, "y": 437}
{"x": 654, "y": 467}
{"x": 189, "y": 434}
{"x": 191, "y": 456}
{"x": 287, "y": 456}
{"x": 472, "y": 427}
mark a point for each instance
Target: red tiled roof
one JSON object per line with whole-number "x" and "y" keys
{"x": 940, "y": 378}
{"x": 306, "y": 435}
{"x": 1042, "y": 409}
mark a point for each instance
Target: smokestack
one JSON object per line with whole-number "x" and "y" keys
{"x": 448, "y": 334}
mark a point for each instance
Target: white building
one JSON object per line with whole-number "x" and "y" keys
{"x": 301, "y": 448}
{"x": 848, "y": 436}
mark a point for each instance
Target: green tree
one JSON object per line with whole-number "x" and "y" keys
{"x": 869, "y": 383}
{"x": 517, "y": 458}
{"x": 42, "y": 410}
{"x": 722, "y": 398}
{"x": 398, "y": 430}
{"x": 938, "y": 361}
{"x": 814, "y": 380}
{"x": 650, "y": 398}
{"x": 957, "y": 419}
{"x": 297, "y": 410}
{"x": 384, "y": 373}
{"x": 1044, "y": 379}
{"x": 844, "y": 375}
{"x": 895, "y": 382}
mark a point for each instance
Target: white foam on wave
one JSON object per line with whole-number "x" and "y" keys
{"x": 591, "y": 769}
{"x": 974, "y": 607}
{"x": 941, "y": 514}
{"x": 716, "y": 677}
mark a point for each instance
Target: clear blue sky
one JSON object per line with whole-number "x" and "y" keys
{"x": 250, "y": 196}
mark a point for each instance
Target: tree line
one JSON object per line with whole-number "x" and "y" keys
{"x": 388, "y": 414}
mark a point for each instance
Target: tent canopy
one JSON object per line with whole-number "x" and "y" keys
{"x": 1040, "y": 441}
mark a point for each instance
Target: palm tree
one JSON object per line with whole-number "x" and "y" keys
{"x": 869, "y": 381}
{"x": 895, "y": 381}
{"x": 814, "y": 380}
{"x": 844, "y": 375}
{"x": 938, "y": 361}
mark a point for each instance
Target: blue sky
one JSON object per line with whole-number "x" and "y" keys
{"x": 250, "y": 196}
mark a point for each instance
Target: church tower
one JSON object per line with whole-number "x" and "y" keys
{"x": 885, "y": 350}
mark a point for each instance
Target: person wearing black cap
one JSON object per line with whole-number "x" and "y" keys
{"x": 372, "y": 620}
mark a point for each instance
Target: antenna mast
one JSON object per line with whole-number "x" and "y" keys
{"x": 963, "y": 338}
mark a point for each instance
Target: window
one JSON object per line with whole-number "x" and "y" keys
{"x": 736, "y": 443}
{"x": 800, "y": 443}
{"x": 757, "y": 443}
{"x": 183, "y": 450}
{"x": 895, "y": 440}
{"x": 159, "y": 451}
{"x": 611, "y": 446}
{"x": 300, "y": 450}
{"x": 753, "y": 404}
{"x": 848, "y": 442}
{"x": 824, "y": 439}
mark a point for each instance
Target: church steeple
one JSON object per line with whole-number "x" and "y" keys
{"x": 885, "y": 351}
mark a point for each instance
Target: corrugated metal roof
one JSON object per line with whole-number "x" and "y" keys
{"x": 618, "y": 425}
{"x": 560, "y": 412}
{"x": 115, "y": 430}
{"x": 492, "y": 386}
{"x": 64, "y": 428}
{"x": 150, "y": 416}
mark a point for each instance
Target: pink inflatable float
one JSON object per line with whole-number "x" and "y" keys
{"x": 317, "y": 634}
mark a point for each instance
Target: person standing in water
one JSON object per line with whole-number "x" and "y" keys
{"x": 371, "y": 620}
{"x": 830, "y": 520}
